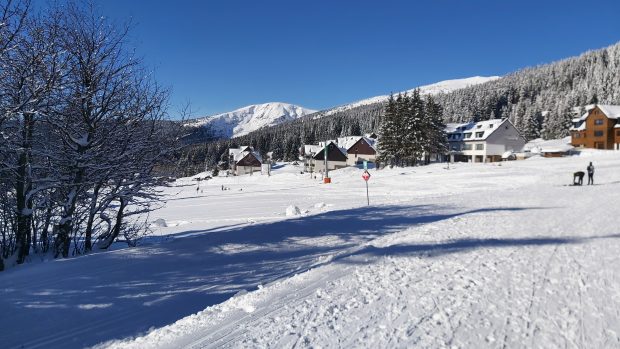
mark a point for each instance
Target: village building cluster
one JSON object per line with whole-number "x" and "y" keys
{"x": 479, "y": 142}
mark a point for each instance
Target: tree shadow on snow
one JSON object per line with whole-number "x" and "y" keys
{"x": 95, "y": 298}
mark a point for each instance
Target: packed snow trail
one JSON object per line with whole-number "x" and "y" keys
{"x": 466, "y": 256}
{"x": 501, "y": 276}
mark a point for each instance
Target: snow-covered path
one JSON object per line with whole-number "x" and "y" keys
{"x": 500, "y": 271}
{"x": 477, "y": 256}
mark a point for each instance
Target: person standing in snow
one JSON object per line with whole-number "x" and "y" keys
{"x": 590, "y": 169}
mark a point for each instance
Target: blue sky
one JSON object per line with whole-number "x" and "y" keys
{"x": 222, "y": 55}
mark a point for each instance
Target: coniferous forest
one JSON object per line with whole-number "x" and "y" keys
{"x": 540, "y": 101}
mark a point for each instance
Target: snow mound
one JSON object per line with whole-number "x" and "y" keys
{"x": 293, "y": 210}
{"x": 319, "y": 205}
{"x": 160, "y": 223}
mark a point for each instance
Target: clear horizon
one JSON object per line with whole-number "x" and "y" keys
{"x": 221, "y": 56}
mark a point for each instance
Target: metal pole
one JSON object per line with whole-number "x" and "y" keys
{"x": 326, "y": 172}
{"x": 367, "y": 197}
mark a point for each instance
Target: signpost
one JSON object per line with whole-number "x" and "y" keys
{"x": 366, "y": 177}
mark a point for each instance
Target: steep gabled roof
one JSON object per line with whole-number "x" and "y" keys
{"x": 487, "y": 128}
{"x": 239, "y": 153}
{"x": 249, "y": 155}
{"x": 347, "y": 142}
{"x": 611, "y": 111}
{"x": 320, "y": 154}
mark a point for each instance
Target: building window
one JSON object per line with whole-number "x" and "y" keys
{"x": 598, "y": 121}
{"x": 467, "y": 147}
{"x": 455, "y": 147}
{"x": 467, "y": 135}
{"x": 490, "y": 125}
{"x": 480, "y": 146}
{"x": 598, "y": 133}
{"x": 618, "y": 133}
{"x": 479, "y": 134}
{"x": 479, "y": 126}
{"x": 576, "y": 135}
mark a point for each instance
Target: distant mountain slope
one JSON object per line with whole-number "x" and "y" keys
{"x": 445, "y": 86}
{"x": 251, "y": 118}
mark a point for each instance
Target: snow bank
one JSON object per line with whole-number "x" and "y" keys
{"x": 293, "y": 210}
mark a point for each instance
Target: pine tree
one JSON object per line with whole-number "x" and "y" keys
{"x": 413, "y": 128}
{"x": 388, "y": 143}
{"x": 436, "y": 141}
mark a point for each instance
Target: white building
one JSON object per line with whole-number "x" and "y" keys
{"x": 484, "y": 141}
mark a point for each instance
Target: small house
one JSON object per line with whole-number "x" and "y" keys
{"x": 244, "y": 160}
{"x": 336, "y": 157}
{"x": 358, "y": 149}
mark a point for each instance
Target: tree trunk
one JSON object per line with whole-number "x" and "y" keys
{"x": 108, "y": 240}
{"x": 88, "y": 244}
{"x": 23, "y": 187}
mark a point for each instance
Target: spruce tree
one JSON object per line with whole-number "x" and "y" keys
{"x": 436, "y": 141}
{"x": 388, "y": 141}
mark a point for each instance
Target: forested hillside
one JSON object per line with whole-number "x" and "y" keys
{"x": 538, "y": 100}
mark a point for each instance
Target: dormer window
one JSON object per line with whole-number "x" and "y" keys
{"x": 479, "y": 126}
{"x": 467, "y": 135}
{"x": 479, "y": 134}
{"x": 490, "y": 125}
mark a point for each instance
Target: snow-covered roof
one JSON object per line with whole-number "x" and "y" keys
{"x": 581, "y": 127}
{"x": 312, "y": 148}
{"x": 478, "y": 131}
{"x": 322, "y": 146}
{"x": 243, "y": 151}
{"x": 347, "y": 142}
{"x": 611, "y": 111}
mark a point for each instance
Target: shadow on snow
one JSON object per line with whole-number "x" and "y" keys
{"x": 98, "y": 297}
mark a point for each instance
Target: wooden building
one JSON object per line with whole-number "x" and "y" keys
{"x": 244, "y": 160}
{"x": 343, "y": 152}
{"x": 358, "y": 149}
{"x": 336, "y": 157}
{"x": 598, "y": 128}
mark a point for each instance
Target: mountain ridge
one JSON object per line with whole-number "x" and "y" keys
{"x": 250, "y": 118}
{"x": 242, "y": 121}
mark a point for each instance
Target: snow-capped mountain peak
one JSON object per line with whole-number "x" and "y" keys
{"x": 247, "y": 119}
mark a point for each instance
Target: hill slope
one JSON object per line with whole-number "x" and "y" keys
{"x": 445, "y": 86}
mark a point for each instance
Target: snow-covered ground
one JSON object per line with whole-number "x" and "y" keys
{"x": 477, "y": 255}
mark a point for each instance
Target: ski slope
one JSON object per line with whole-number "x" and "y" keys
{"x": 478, "y": 255}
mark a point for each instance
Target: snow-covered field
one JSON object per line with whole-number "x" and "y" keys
{"x": 478, "y": 255}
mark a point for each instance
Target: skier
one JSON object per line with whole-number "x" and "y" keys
{"x": 590, "y": 169}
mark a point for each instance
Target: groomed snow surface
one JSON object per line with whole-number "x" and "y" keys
{"x": 474, "y": 256}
